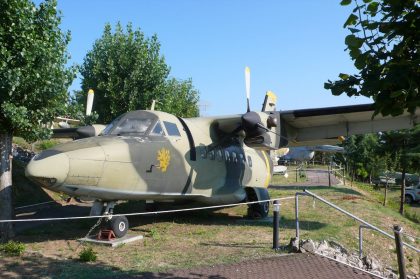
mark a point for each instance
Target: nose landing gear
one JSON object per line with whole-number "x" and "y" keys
{"x": 118, "y": 224}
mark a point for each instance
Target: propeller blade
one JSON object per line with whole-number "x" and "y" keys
{"x": 248, "y": 86}
{"x": 89, "y": 103}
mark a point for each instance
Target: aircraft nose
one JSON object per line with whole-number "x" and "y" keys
{"x": 50, "y": 168}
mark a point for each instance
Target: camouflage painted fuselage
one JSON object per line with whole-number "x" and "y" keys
{"x": 188, "y": 161}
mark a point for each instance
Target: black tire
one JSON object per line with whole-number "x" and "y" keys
{"x": 257, "y": 210}
{"x": 408, "y": 199}
{"x": 119, "y": 225}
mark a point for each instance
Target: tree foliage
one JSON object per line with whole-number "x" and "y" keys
{"x": 127, "y": 71}
{"x": 33, "y": 74}
{"x": 33, "y": 82}
{"x": 384, "y": 45}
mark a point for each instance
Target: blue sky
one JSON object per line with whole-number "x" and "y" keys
{"x": 292, "y": 47}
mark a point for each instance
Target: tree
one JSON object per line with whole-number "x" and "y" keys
{"x": 127, "y": 71}
{"x": 384, "y": 45}
{"x": 405, "y": 145}
{"x": 33, "y": 82}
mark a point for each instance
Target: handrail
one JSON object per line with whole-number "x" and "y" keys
{"x": 308, "y": 193}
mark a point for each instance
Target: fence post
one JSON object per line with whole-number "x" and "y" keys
{"x": 276, "y": 220}
{"x": 329, "y": 176}
{"x": 297, "y": 216}
{"x": 400, "y": 251}
{"x": 360, "y": 241}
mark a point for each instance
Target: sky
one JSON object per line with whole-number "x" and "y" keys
{"x": 291, "y": 47}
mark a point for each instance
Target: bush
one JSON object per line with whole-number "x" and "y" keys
{"x": 88, "y": 255}
{"x": 45, "y": 144}
{"x": 13, "y": 248}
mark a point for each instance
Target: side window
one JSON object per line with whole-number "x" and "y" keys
{"x": 157, "y": 130}
{"x": 227, "y": 157}
{"x": 219, "y": 155}
{"x": 249, "y": 161}
{"x": 171, "y": 128}
{"x": 203, "y": 152}
{"x": 234, "y": 159}
{"x": 242, "y": 158}
{"x": 211, "y": 155}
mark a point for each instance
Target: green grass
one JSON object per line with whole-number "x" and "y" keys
{"x": 203, "y": 238}
{"x": 88, "y": 255}
{"x": 13, "y": 248}
{"x": 393, "y": 199}
{"x": 45, "y": 144}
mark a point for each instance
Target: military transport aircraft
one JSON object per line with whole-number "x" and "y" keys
{"x": 153, "y": 155}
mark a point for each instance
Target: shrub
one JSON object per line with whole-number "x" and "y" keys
{"x": 46, "y": 144}
{"x": 88, "y": 255}
{"x": 13, "y": 248}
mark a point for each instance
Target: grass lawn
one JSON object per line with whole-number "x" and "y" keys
{"x": 202, "y": 238}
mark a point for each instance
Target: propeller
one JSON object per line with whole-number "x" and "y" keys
{"x": 248, "y": 86}
{"x": 89, "y": 102}
{"x": 251, "y": 121}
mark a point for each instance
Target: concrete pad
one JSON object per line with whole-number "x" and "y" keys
{"x": 115, "y": 242}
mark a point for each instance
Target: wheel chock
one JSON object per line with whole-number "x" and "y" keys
{"x": 106, "y": 235}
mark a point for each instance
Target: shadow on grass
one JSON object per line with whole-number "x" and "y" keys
{"x": 35, "y": 266}
{"x": 347, "y": 191}
{"x": 73, "y": 229}
{"x": 235, "y": 245}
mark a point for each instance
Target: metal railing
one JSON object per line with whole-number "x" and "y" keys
{"x": 365, "y": 224}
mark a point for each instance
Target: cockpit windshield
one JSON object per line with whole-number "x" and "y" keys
{"x": 134, "y": 123}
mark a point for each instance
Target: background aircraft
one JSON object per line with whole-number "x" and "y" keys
{"x": 152, "y": 155}
{"x": 299, "y": 154}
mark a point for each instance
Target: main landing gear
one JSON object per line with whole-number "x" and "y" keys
{"x": 257, "y": 210}
{"x": 118, "y": 224}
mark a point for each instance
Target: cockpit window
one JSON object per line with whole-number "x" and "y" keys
{"x": 157, "y": 130}
{"x": 171, "y": 128}
{"x": 132, "y": 125}
{"x": 111, "y": 125}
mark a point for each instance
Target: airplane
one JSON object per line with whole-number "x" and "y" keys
{"x": 154, "y": 155}
{"x": 299, "y": 154}
{"x": 307, "y": 153}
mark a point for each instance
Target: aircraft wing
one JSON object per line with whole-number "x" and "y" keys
{"x": 325, "y": 125}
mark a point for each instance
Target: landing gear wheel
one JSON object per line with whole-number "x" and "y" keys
{"x": 119, "y": 225}
{"x": 257, "y": 210}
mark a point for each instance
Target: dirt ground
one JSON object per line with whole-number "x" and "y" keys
{"x": 194, "y": 239}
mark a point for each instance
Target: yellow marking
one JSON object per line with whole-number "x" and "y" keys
{"x": 271, "y": 95}
{"x": 247, "y": 70}
{"x": 268, "y": 178}
{"x": 90, "y": 91}
{"x": 164, "y": 158}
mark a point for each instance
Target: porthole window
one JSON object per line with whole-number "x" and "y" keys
{"x": 249, "y": 161}
{"x": 234, "y": 158}
{"x": 203, "y": 152}
{"x": 227, "y": 157}
{"x": 242, "y": 158}
{"x": 219, "y": 155}
{"x": 211, "y": 154}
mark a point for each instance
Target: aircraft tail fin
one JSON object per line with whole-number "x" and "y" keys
{"x": 270, "y": 101}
